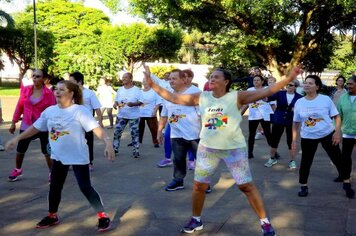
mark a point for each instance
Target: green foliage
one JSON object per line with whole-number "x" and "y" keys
{"x": 113, "y": 5}
{"x": 344, "y": 59}
{"x": 17, "y": 43}
{"x": 159, "y": 71}
{"x": 277, "y": 34}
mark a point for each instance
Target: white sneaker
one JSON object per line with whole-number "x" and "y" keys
{"x": 292, "y": 164}
{"x": 2, "y": 148}
{"x": 258, "y": 136}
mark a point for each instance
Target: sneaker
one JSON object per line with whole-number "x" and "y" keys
{"x": 268, "y": 230}
{"x": 104, "y": 224}
{"x": 191, "y": 165}
{"x": 136, "y": 154}
{"x": 338, "y": 179}
{"x": 15, "y": 174}
{"x": 175, "y": 185}
{"x": 258, "y": 136}
{"x": 350, "y": 193}
{"x": 277, "y": 156}
{"x": 303, "y": 191}
{"x": 271, "y": 162}
{"x": 165, "y": 162}
{"x": 116, "y": 152}
{"x": 2, "y": 148}
{"x": 91, "y": 167}
{"x": 47, "y": 222}
{"x": 192, "y": 226}
{"x": 156, "y": 146}
{"x": 292, "y": 164}
{"x": 208, "y": 190}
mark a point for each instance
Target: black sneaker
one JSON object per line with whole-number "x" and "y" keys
{"x": 104, "y": 224}
{"x": 136, "y": 154}
{"x": 303, "y": 191}
{"x": 175, "y": 185}
{"x": 208, "y": 190}
{"x": 156, "y": 146}
{"x": 192, "y": 226}
{"x": 350, "y": 193}
{"x": 267, "y": 230}
{"x": 338, "y": 179}
{"x": 47, "y": 222}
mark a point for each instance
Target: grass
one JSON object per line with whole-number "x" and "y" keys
{"x": 9, "y": 91}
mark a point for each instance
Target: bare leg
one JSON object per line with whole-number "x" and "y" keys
{"x": 198, "y": 197}
{"x": 254, "y": 198}
{"x": 19, "y": 160}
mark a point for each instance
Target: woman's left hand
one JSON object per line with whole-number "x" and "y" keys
{"x": 336, "y": 138}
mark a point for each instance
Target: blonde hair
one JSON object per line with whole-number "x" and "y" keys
{"x": 77, "y": 92}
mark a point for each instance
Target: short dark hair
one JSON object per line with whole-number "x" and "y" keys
{"x": 180, "y": 72}
{"x": 189, "y": 73}
{"x": 79, "y": 77}
{"x": 340, "y": 77}
{"x": 353, "y": 78}
{"x": 317, "y": 81}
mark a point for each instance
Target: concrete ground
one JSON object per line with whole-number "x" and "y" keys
{"x": 133, "y": 193}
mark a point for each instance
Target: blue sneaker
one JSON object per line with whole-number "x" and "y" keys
{"x": 174, "y": 185}
{"x": 268, "y": 230}
{"x": 192, "y": 226}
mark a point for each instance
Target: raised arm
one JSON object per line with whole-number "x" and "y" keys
{"x": 246, "y": 97}
{"x": 183, "y": 99}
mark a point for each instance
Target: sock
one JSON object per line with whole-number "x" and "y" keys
{"x": 264, "y": 221}
{"x": 102, "y": 214}
{"x": 18, "y": 169}
{"x": 197, "y": 218}
{"x": 52, "y": 215}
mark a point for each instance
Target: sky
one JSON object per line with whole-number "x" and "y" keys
{"x": 119, "y": 18}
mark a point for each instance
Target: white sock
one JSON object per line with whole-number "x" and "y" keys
{"x": 264, "y": 221}
{"x": 197, "y": 218}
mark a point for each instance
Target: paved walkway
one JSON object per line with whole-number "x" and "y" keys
{"x": 133, "y": 193}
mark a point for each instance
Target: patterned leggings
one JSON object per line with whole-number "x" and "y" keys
{"x": 119, "y": 128}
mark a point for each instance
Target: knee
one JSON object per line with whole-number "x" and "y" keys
{"x": 247, "y": 188}
{"x": 200, "y": 187}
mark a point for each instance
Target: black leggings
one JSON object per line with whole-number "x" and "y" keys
{"x": 277, "y": 131}
{"x": 58, "y": 176}
{"x": 89, "y": 136}
{"x": 252, "y": 127}
{"x": 309, "y": 147}
{"x": 23, "y": 144}
{"x": 347, "y": 147}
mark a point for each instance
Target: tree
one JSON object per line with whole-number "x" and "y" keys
{"x": 260, "y": 25}
{"x": 17, "y": 43}
{"x": 138, "y": 42}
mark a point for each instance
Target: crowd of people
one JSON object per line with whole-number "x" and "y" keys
{"x": 197, "y": 130}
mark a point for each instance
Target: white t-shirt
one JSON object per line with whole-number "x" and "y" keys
{"x": 315, "y": 116}
{"x": 124, "y": 95}
{"x": 259, "y": 109}
{"x": 105, "y": 95}
{"x": 150, "y": 101}
{"x": 67, "y": 127}
{"x": 184, "y": 120}
{"x": 91, "y": 102}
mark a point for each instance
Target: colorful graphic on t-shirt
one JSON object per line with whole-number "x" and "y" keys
{"x": 217, "y": 120}
{"x": 54, "y": 135}
{"x": 256, "y": 104}
{"x": 175, "y": 118}
{"x": 311, "y": 122}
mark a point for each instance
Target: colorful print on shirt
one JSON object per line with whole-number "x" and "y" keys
{"x": 54, "y": 135}
{"x": 216, "y": 119}
{"x": 174, "y": 118}
{"x": 311, "y": 121}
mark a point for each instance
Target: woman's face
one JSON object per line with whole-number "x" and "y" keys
{"x": 217, "y": 80}
{"x": 291, "y": 87}
{"x": 340, "y": 82}
{"x": 310, "y": 86}
{"x": 37, "y": 78}
{"x": 63, "y": 94}
{"x": 257, "y": 82}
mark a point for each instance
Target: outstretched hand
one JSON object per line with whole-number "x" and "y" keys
{"x": 11, "y": 144}
{"x": 147, "y": 74}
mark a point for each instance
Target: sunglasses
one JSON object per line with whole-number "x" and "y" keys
{"x": 290, "y": 85}
{"x": 37, "y": 76}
